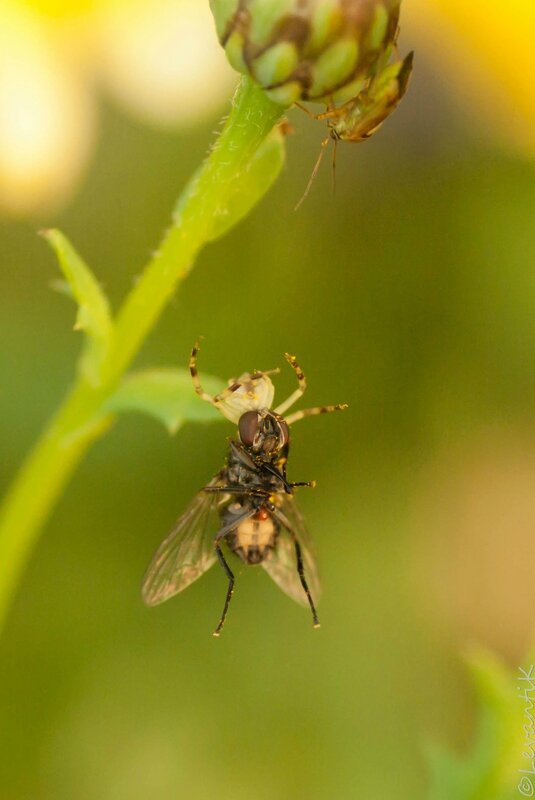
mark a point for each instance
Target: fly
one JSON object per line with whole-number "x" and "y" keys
{"x": 362, "y": 116}
{"x": 250, "y": 499}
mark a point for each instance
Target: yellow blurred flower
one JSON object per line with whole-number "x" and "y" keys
{"x": 159, "y": 59}
{"x": 482, "y": 49}
{"x": 47, "y": 119}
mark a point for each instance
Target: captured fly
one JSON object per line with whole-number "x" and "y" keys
{"x": 249, "y": 504}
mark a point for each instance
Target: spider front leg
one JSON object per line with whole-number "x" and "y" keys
{"x": 195, "y": 375}
{"x": 212, "y": 399}
{"x": 302, "y": 385}
{"x": 216, "y": 400}
{"x": 312, "y": 412}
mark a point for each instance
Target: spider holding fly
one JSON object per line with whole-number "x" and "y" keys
{"x": 251, "y": 496}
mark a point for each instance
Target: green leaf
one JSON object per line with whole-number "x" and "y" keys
{"x": 93, "y": 315}
{"x": 253, "y": 183}
{"x": 167, "y": 395}
{"x": 489, "y": 770}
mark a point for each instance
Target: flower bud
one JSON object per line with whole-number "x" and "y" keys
{"x": 318, "y": 50}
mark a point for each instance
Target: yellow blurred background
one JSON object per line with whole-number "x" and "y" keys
{"x": 410, "y": 295}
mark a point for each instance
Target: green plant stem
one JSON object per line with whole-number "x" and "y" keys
{"x": 80, "y": 420}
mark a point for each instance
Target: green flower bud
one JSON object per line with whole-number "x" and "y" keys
{"x": 320, "y": 50}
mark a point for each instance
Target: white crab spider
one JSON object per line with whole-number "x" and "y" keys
{"x": 254, "y": 391}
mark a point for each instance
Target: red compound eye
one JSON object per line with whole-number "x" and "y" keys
{"x": 248, "y": 427}
{"x": 284, "y": 434}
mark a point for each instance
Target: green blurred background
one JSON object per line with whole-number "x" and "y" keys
{"x": 410, "y": 295}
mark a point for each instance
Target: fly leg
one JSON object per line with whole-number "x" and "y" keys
{"x": 238, "y": 491}
{"x": 299, "y": 557}
{"x": 260, "y": 466}
{"x": 228, "y": 572}
{"x": 304, "y": 584}
{"x": 230, "y": 590}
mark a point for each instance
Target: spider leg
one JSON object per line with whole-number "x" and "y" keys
{"x": 195, "y": 375}
{"x": 292, "y": 361}
{"x": 235, "y": 385}
{"x": 312, "y": 412}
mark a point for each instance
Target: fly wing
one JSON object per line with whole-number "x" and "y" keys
{"x": 281, "y": 564}
{"x": 186, "y": 553}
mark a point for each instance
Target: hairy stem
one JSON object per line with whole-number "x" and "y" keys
{"x": 80, "y": 420}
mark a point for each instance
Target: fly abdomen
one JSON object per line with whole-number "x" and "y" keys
{"x": 253, "y": 539}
